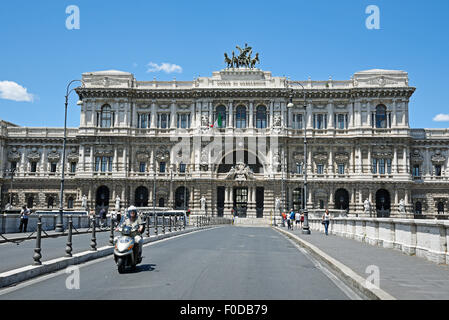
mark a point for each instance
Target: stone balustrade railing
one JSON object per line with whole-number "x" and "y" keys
{"x": 424, "y": 238}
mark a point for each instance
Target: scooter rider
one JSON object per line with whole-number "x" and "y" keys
{"x": 134, "y": 221}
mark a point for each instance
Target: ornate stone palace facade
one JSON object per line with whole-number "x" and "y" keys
{"x": 242, "y": 146}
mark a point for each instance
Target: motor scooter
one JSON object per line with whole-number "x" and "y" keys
{"x": 126, "y": 251}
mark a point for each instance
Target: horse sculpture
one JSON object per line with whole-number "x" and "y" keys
{"x": 255, "y": 60}
{"x": 243, "y": 59}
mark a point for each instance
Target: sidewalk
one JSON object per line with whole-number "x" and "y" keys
{"x": 402, "y": 276}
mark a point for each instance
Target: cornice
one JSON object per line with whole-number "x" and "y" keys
{"x": 230, "y": 93}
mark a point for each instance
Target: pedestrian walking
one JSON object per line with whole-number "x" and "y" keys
{"x": 102, "y": 217}
{"x": 284, "y": 217}
{"x": 326, "y": 220}
{"x": 24, "y": 213}
{"x": 292, "y": 219}
{"x": 302, "y": 218}
{"x": 298, "y": 220}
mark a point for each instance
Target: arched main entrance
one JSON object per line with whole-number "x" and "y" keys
{"x": 102, "y": 198}
{"x": 141, "y": 197}
{"x": 180, "y": 193}
{"x": 341, "y": 199}
{"x": 383, "y": 203}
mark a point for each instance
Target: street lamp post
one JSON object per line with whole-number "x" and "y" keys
{"x": 305, "y": 228}
{"x": 59, "y": 225}
{"x": 11, "y": 172}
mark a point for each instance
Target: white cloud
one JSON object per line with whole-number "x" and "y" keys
{"x": 165, "y": 66}
{"x": 12, "y": 91}
{"x": 441, "y": 117}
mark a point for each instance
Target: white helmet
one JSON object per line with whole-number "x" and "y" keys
{"x": 132, "y": 208}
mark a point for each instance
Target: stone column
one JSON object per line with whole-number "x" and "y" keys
{"x": 395, "y": 160}
{"x": 330, "y": 114}
{"x": 251, "y": 115}
{"x": 230, "y": 116}
{"x": 173, "y": 115}
{"x": 393, "y": 119}
{"x": 92, "y": 160}
{"x": 153, "y": 122}
{"x": 370, "y": 162}
{"x": 331, "y": 170}
{"x": 271, "y": 113}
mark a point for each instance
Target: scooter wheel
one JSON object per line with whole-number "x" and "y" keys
{"x": 121, "y": 265}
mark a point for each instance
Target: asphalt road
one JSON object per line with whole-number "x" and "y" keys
{"x": 14, "y": 256}
{"x": 221, "y": 263}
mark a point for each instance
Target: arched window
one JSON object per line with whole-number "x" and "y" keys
{"x": 440, "y": 207}
{"x": 297, "y": 199}
{"x": 418, "y": 207}
{"x": 220, "y": 116}
{"x": 30, "y": 201}
{"x": 50, "y": 202}
{"x": 182, "y": 198}
{"x": 106, "y": 116}
{"x": 141, "y": 197}
{"x": 70, "y": 203}
{"x": 381, "y": 116}
{"x": 240, "y": 117}
{"x": 261, "y": 117}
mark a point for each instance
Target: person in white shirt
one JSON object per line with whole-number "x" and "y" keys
{"x": 298, "y": 220}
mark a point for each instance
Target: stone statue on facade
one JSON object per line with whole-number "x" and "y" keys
{"x": 117, "y": 203}
{"x": 401, "y": 206}
{"x": 84, "y": 201}
{"x": 367, "y": 207}
{"x": 243, "y": 59}
{"x": 277, "y": 205}
{"x": 203, "y": 204}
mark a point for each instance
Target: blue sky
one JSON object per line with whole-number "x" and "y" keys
{"x": 294, "y": 38}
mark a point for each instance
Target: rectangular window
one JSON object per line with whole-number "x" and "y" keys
{"x": 97, "y": 163}
{"x": 52, "y": 167}
{"x": 374, "y": 169}
{"x": 162, "y": 167}
{"x": 341, "y": 168}
{"x": 319, "y": 121}
{"x": 389, "y": 166}
{"x": 33, "y": 166}
{"x": 142, "y": 121}
{"x": 183, "y": 121}
{"x": 73, "y": 167}
{"x": 415, "y": 170}
{"x": 341, "y": 121}
{"x": 163, "y": 121}
{"x": 142, "y": 167}
{"x": 110, "y": 164}
{"x": 13, "y": 165}
{"x": 438, "y": 170}
{"x": 320, "y": 169}
{"x": 299, "y": 168}
{"x": 297, "y": 121}
{"x": 103, "y": 164}
{"x": 381, "y": 166}
{"x": 182, "y": 167}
